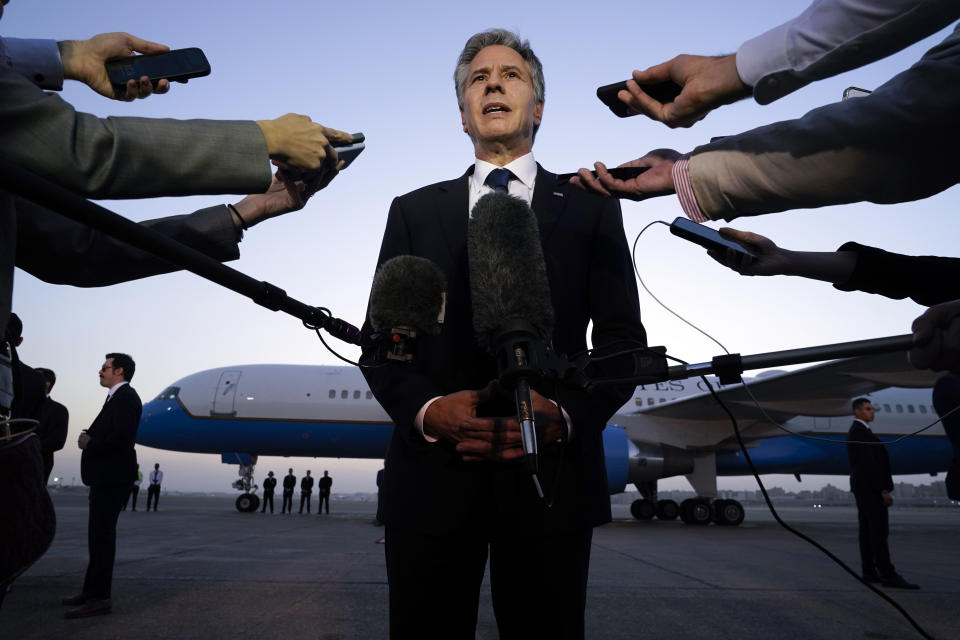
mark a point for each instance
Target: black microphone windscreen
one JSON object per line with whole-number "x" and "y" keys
{"x": 508, "y": 275}
{"x": 407, "y": 291}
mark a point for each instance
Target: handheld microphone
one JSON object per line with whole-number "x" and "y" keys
{"x": 408, "y": 297}
{"x": 512, "y": 313}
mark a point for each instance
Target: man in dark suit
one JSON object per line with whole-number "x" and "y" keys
{"x": 289, "y": 484}
{"x": 269, "y": 484}
{"x": 871, "y": 484}
{"x": 108, "y": 466}
{"x": 324, "y": 485}
{"x": 306, "y": 489}
{"x": 452, "y": 485}
{"x": 52, "y": 429}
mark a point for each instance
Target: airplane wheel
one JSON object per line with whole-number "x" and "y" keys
{"x": 698, "y": 512}
{"x": 255, "y": 501}
{"x": 730, "y": 513}
{"x": 667, "y": 510}
{"x": 685, "y": 510}
{"x": 247, "y": 502}
{"x": 643, "y": 509}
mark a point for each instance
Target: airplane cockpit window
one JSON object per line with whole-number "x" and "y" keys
{"x": 344, "y": 394}
{"x": 333, "y": 393}
{"x": 356, "y": 394}
{"x": 170, "y": 393}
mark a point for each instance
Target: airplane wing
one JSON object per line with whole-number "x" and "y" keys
{"x": 821, "y": 390}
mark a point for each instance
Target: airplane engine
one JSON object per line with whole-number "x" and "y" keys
{"x": 629, "y": 462}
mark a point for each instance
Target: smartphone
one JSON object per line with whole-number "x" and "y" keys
{"x": 855, "y": 92}
{"x": 349, "y": 153}
{"x": 179, "y": 64}
{"x": 620, "y": 173}
{"x": 705, "y": 236}
{"x": 661, "y": 92}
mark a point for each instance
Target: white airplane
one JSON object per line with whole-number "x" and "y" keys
{"x": 669, "y": 429}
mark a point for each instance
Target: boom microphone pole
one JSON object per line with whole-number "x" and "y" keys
{"x": 70, "y": 205}
{"x": 653, "y": 366}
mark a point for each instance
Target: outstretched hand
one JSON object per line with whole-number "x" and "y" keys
{"x": 84, "y": 60}
{"x": 656, "y": 181}
{"x": 706, "y": 82}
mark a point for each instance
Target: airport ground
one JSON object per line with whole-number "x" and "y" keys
{"x": 198, "y": 569}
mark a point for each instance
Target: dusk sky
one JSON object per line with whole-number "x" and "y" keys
{"x": 386, "y": 69}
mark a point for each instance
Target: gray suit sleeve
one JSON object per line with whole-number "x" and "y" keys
{"x": 885, "y": 148}
{"x": 61, "y": 251}
{"x": 127, "y": 157}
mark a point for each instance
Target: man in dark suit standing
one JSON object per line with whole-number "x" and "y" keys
{"x": 52, "y": 429}
{"x": 324, "y": 485}
{"x": 108, "y": 466}
{"x": 453, "y": 488}
{"x": 871, "y": 484}
{"x": 289, "y": 484}
{"x": 306, "y": 489}
{"x": 269, "y": 484}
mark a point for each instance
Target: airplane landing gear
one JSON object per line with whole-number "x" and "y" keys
{"x": 728, "y": 512}
{"x": 643, "y": 509}
{"x": 667, "y": 510}
{"x": 247, "y": 502}
{"x": 696, "y": 511}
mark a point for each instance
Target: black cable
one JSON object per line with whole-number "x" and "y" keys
{"x": 817, "y": 545}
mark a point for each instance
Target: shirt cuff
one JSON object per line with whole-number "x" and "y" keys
{"x": 763, "y": 56}
{"x": 36, "y": 60}
{"x": 681, "y": 182}
{"x": 418, "y": 421}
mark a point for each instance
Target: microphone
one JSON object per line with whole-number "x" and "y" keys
{"x": 408, "y": 297}
{"x": 512, "y": 312}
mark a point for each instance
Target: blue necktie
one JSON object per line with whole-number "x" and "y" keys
{"x": 498, "y": 179}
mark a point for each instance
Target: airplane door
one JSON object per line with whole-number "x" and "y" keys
{"x": 224, "y": 400}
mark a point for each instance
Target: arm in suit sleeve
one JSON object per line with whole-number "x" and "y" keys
{"x": 401, "y": 388}
{"x": 61, "y": 251}
{"x": 119, "y": 431}
{"x": 885, "y": 148}
{"x": 54, "y": 420}
{"x": 127, "y": 157}
{"x": 614, "y": 309}
{"x": 927, "y": 280}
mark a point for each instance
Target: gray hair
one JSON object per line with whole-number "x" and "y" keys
{"x": 479, "y": 41}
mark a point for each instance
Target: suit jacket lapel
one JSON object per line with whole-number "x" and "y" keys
{"x": 453, "y": 201}
{"x": 548, "y": 201}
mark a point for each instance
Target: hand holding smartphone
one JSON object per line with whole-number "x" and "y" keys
{"x": 177, "y": 66}
{"x": 706, "y": 237}
{"x": 661, "y": 92}
{"x": 620, "y": 173}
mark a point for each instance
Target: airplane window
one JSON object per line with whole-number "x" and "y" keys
{"x": 899, "y": 408}
{"x": 922, "y": 408}
{"x": 344, "y": 394}
{"x": 910, "y": 408}
{"x": 369, "y": 395}
{"x": 877, "y": 409}
{"x": 650, "y": 401}
{"x": 662, "y": 400}
{"x": 356, "y": 395}
{"x": 332, "y": 394}
{"x": 886, "y": 407}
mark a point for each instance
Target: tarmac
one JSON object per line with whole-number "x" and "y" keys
{"x": 198, "y": 569}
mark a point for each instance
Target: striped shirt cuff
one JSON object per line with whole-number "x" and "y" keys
{"x": 681, "y": 182}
